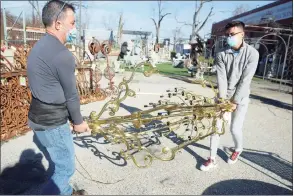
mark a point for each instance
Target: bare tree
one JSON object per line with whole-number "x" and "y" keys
{"x": 240, "y": 9}
{"x": 159, "y": 20}
{"x": 196, "y": 24}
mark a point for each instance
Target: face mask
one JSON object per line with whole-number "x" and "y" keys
{"x": 71, "y": 35}
{"x": 232, "y": 41}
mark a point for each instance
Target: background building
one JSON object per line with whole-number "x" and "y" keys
{"x": 269, "y": 30}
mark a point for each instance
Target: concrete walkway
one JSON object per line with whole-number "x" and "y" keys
{"x": 264, "y": 168}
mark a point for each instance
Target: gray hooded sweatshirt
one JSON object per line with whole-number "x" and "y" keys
{"x": 235, "y": 72}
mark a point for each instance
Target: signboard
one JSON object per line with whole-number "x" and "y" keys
{"x": 187, "y": 47}
{"x": 279, "y": 12}
{"x": 183, "y": 48}
{"x": 179, "y": 48}
{"x": 166, "y": 42}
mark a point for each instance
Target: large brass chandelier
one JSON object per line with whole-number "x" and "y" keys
{"x": 187, "y": 115}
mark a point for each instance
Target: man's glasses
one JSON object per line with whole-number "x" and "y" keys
{"x": 232, "y": 34}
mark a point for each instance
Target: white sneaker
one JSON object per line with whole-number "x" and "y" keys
{"x": 234, "y": 157}
{"x": 209, "y": 164}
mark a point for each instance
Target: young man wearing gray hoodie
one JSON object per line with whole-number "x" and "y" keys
{"x": 236, "y": 66}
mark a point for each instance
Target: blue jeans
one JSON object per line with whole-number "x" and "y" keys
{"x": 58, "y": 142}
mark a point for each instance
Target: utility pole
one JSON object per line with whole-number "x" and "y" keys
{"x": 80, "y": 31}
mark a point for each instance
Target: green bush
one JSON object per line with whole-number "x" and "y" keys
{"x": 172, "y": 54}
{"x": 204, "y": 60}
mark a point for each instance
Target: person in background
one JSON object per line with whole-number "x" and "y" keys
{"x": 55, "y": 100}
{"x": 236, "y": 66}
{"x": 3, "y": 47}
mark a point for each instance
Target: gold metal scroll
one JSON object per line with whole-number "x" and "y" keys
{"x": 177, "y": 109}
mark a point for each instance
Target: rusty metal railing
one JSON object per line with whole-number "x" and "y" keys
{"x": 15, "y": 95}
{"x": 88, "y": 85}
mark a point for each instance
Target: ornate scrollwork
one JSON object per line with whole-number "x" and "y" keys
{"x": 20, "y": 56}
{"x": 180, "y": 108}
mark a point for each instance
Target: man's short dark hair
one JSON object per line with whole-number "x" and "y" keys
{"x": 235, "y": 24}
{"x": 54, "y": 10}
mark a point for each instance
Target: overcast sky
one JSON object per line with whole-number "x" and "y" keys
{"x": 137, "y": 14}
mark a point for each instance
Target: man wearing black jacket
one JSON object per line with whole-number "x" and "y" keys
{"x": 55, "y": 100}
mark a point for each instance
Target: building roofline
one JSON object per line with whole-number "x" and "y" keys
{"x": 147, "y": 33}
{"x": 254, "y": 10}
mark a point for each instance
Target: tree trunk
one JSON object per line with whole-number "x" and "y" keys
{"x": 174, "y": 48}
{"x": 194, "y": 22}
{"x": 157, "y": 35}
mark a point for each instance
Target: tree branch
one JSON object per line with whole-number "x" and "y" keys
{"x": 163, "y": 17}
{"x": 159, "y": 20}
{"x": 196, "y": 15}
{"x": 184, "y": 23}
{"x": 207, "y": 1}
{"x": 199, "y": 36}
{"x": 204, "y": 22}
{"x": 159, "y": 8}
{"x": 197, "y": 12}
{"x": 154, "y": 22}
{"x": 197, "y": 23}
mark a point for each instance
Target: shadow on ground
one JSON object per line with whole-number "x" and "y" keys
{"x": 179, "y": 72}
{"x": 51, "y": 168}
{"x": 190, "y": 80}
{"x": 278, "y": 90}
{"x": 268, "y": 161}
{"x": 264, "y": 100}
{"x": 27, "y": 176}
{"x": 245, "y": 187}
{"x": 271, "y": 162}
{"x": 176, "y": 140}
{"x": 89, "y": 141}
{"x": 272, "y": 102}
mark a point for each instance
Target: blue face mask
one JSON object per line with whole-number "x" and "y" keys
{"x": 71, "y": 35}
{"x": 232, "y": 41}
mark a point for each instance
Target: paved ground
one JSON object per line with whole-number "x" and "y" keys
{"x": 264, "y": 168}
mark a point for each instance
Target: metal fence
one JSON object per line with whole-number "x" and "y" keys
{"x": 20, "y": 26}
{"x": 15, "y": 95}
{"x": 275, "y": 46}
{"x": 278, "y": 62}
